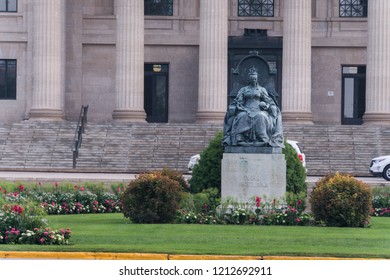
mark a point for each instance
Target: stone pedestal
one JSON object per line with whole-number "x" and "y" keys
{"x": 246, "y": 175}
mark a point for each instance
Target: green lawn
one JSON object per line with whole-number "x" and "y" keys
{"x": 113, "y": 233}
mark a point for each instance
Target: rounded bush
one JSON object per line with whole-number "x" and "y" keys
{"x": 174, "y": 175}
{"x": 151, "y": 198}
{"x": 341, "y": 200}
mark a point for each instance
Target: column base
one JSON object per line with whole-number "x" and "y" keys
{"x": 46, "y": 114}
{"x": 210, "y": 117}
{"x": 297, "y": 117}
{"x": 376, "y": 118}
{"x": 129, "y": 115}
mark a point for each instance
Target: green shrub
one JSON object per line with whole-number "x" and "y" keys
{"x": 174, "y": 175}
{"x": 151, "y": 198}
{"x": 341, "y": 200}
{"x": 204, "y": 202}
{"x": 295, "y": 172}
{"x": 207, "y": 173}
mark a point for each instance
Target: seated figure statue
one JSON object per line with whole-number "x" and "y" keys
{"x": 253, "y": 118}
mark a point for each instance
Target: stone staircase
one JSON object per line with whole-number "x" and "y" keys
{"x": 116, "y": 147}
{"x": 134, "y": 148}
{"x": 340, "y": 148}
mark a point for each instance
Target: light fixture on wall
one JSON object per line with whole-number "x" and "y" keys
{"x": 156, "y": 67}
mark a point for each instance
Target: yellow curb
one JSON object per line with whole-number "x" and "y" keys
{"x": 150, "y": 256}
{"x": 82, "y": 256}
{"x": 285, "y": 258}
{"x": 212, "y": 257}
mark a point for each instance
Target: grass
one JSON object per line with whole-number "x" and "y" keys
{"x": 113, "y": 233}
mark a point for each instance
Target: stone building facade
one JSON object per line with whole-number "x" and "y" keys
{"x": 170, "y": 61}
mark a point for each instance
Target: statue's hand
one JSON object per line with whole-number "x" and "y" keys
{"x": 263, "y": 105}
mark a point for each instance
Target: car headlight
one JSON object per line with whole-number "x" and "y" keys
{"x": 378, "y": 160}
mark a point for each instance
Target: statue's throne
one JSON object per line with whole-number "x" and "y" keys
{"x": 266, "y": 75}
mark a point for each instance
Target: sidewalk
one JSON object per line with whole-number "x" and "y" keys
{"x": 64, "y": 176}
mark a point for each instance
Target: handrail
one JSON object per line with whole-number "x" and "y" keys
{"x": 78, "y": 136}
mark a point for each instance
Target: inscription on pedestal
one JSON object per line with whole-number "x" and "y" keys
{"x": 245, "y": 176}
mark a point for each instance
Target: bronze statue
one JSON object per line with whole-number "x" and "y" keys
{"x": 254, "y": 117}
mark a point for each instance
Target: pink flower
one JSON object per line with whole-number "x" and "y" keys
{"x": 45, "y": 233}
{"x": 56, "y": 184}
{"x": 258, "y": 201}
{"x": 298, "y": 220}
{"x": 42, "y": 240}
{"x": 82, "y": 189}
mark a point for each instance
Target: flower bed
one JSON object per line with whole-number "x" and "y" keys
{"x": 23, "y": 207}
{"x": 57, "y": 199}
{"x": 256, "y": 213}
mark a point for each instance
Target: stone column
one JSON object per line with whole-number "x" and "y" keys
{"x": 212, "y": 93}
{"x": 129, "y": 97}
{"x": 296, "y": 75}
{"x": 48, "y": 60}
{"x": 378, "y": 63}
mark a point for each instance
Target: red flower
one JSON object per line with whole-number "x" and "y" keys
{"x": 21, "y": 188}
{"x": 76, "y": 187}
{"x": 82, "y": 189}
{"x": 56, "y": 184}
{"x": 258, "y": 201}
{"x": 17, "y": 209}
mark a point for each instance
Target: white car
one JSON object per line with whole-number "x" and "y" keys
{"x": 193, "y": 160}
{"x": 301, "y": 155}
{"x": 380, "y": 166}
{"x": 296, "y": 146}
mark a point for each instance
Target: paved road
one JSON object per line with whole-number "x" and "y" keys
{"x": 123, "y": 177}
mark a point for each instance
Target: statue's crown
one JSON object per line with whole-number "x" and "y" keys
{"x": 252, "y": 71}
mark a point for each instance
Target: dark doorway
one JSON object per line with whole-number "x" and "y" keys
{"x": 156, "y": 93}
{"x": 353, "y": 95}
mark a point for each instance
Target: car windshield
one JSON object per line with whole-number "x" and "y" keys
{"x": 300, "y": 147}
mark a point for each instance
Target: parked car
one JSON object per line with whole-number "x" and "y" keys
{"x": 296, "y": 146}
{"x": 380, "y": 166}
{"x": 301, "y": 155}
{"x": 193, "y": 160}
